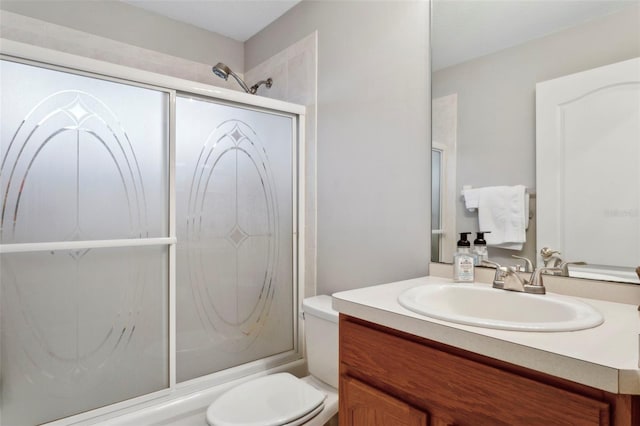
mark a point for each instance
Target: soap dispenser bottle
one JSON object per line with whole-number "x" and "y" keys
{"x": 463, "y": 260}
{"x": 480, "y": 248}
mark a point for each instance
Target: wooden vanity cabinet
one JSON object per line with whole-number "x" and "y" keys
{"x": 365, "y": 405}
{"x": 391, "y": 378}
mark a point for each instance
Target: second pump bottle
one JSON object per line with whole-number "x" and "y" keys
{"x": 465, "y": 258}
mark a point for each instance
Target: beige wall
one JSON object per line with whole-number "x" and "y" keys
{"x": 373, "y": 142}
{"x": 124, "y": 23}
{"x": 496, "y": 103}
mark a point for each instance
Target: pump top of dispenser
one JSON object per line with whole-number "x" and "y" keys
{"x": 479, "y": 241}
{"x": 463, "y": 242}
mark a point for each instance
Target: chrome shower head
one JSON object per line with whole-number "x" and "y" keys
{"x": 223, "y": 71}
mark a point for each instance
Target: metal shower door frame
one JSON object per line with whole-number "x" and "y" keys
{"x": 54, "y": 60}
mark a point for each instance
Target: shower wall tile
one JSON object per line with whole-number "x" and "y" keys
{"x": 300, "y": 73}
{"x": 281, "y": 87}
{"x": 276, "y": 68}
{"x": 294, "y": 73}
{"x": 57, "y": 37}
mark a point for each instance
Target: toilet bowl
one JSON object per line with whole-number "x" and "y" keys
{"x": 283, "y": 399}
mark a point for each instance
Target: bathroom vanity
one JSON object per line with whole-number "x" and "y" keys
{"x": 402, "y": 368}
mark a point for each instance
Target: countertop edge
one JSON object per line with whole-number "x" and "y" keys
{"x": 629, "y": 382}
{"x": 579, "y": 371}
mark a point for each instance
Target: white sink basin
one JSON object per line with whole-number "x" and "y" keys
{"x": 483, "y": 306}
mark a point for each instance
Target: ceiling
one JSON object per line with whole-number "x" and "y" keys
{"x": 461, "y": 29}
{"x": 236, "y": 19}
{"x": 467, "y": 29}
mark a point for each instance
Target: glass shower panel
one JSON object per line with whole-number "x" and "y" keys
{"x": 234, "y": 174}
{"x": 81, "y": 158}
{"x": 81, "y": 330}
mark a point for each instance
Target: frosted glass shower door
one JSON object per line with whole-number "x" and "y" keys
{"x": 83, "y": 191}
{"x": 234, "y": 183}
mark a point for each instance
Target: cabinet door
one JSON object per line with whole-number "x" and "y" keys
{"x": 459, "y": 390}
{"x": 362, "y": 405}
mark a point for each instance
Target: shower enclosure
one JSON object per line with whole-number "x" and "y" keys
{"x": 148, "y": 236}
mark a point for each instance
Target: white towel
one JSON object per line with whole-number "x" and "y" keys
{"x": 503, "y": 211}
{"x": 471, "y": 198}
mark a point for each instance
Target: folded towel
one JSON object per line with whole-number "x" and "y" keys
{"x": 471, "y": 198}
{"x": 503, "y": 211}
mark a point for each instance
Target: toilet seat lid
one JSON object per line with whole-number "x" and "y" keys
{"x": 272, "y": 400}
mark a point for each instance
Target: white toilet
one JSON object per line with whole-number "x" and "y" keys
{"x": 283, "y": 399}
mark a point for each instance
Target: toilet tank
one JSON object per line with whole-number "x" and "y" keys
{"x": 321, "y": 337}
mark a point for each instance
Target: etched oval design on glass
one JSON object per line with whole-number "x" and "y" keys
{"x": 232, "y": 232}
{"x": 70, "y": 173}
{"x": 70, "y": 158}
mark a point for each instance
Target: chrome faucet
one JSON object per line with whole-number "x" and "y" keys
{"x": 549, "y": 259}
{"x": 536, "y": 277}
{"x": 532, "y": 286}
{"x": 513, "y": 281}
{"x": 509, "y": 278}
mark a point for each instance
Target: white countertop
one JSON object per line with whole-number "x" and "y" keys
{"x": 605, "y": 357}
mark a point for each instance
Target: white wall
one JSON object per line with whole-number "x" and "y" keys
{"x": 373, "y": 146}
{"x": 496, "y": 103}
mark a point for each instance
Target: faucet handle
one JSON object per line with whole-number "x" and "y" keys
{"x": 564, "y": 266}
{"x": 528, "y": 266}
{"x": 547, "y": 253}
{"x": 491, "y": 264}
{"x": 501, "y": 272}
{"x": 549, "y": 258}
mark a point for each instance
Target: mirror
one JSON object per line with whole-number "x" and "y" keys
{"x": 487, "y": 57}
